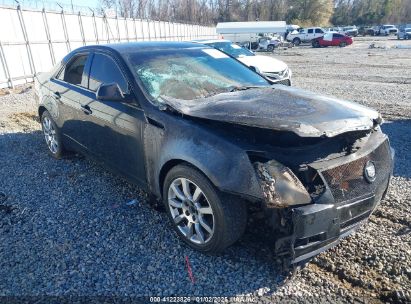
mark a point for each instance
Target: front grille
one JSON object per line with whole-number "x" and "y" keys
{"x": 347, "y": 181}
{"x": 284, "y": 82}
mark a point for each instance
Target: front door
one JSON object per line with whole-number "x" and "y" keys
{"x": 114, "y": 128}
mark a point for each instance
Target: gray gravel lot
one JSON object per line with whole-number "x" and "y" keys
{"x": 66, "y": 228}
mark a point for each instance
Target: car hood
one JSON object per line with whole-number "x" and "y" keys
{"x": 281, "y": 108}
{"x": 264, "y": 63}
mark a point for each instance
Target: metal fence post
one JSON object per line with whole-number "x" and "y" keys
{"x": 142, "y": 27}
{"x": 95, "y": 28}
{"x": 63, "y": 20}
{"x": 81, "y": 28}
{"x": 126, "y": 26}
{"x": 6, "y": 67}
{"x": 177, "y": 31}
{"x": 118, "y": 29}
{"x": 148, "y": 27}
{"x": 135, "y": 29}
{"x": 159, "y": 26}
{"x": 169, "y": 29}
{"x": 155, "y": 31}
{"x": 46, "y": 27}
{"x": 107, "y": 28}
{"x": 26, "y": 39}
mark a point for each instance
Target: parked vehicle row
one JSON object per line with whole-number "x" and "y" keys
{"x": 212, "y": 139}
{"x": 380, "y": 30}
{"x": 404, "y": 33}
{"x": 275, "y": 70}
{"x": 347, "y": 30}
{"x": 353, "y": 31}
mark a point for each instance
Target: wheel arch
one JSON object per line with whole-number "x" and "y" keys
{"x": 41, "y": 110}
{"x": 167, "y": 167}
{"x": 170, "y": 164}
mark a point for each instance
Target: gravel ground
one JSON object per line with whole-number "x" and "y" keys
{"x": 71, "y": 228}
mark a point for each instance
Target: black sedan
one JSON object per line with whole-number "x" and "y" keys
{"x": 210, "y": 138}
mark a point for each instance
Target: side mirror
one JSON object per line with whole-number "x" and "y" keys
{"x": 255, "y": 69}
{"x": 109, "y": 91}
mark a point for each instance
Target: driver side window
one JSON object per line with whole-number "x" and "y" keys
{"x": 105, "y": 70}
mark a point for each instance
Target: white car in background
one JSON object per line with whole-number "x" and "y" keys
{"x": 387, "y": 29}
{"x": 305, "y": 35}
{"x": 275, "y": 70}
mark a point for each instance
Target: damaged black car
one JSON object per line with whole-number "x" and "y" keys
{"x": 209, "y": 137}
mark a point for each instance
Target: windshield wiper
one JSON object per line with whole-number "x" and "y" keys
{"x": 243, "y": 88}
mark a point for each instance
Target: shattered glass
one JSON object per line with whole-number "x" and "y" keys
{"x": 189, "y": 74}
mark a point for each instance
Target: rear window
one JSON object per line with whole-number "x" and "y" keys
{"x": 73, "y": 72}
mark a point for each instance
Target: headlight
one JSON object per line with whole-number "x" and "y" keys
{"x": 281, "y": 188}
{"x": 284, "y": 73}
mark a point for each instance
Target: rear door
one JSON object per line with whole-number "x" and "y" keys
{"x": 310, "y": 35}
{"x": 69, "y": 90}
{"x": 114, "y": 128}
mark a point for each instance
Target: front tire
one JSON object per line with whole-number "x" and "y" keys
{"x": 343, "y": 44}
{"x": 203, "y": 217}
{"x": 270, "y": 48}
{"x": 52, "y": 135}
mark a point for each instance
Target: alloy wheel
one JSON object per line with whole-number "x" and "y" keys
{"x": 191, "y": 210}
{"x": 50, "y": 134}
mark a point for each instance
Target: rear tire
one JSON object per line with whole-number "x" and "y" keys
{"x": 203, "y": 217}
{"x": 52, "y": 135}
{"x": 296, "y": 41}
{"x": 316, "y": 44}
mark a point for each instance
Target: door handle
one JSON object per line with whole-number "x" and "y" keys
{"x": 86, "y": 109}
{"x": 57, "y": 95}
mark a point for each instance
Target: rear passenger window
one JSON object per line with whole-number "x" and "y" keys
{"x": 310, "y": 31}
{"x": 105, "y": 70}
{"x": 73, "y": 72}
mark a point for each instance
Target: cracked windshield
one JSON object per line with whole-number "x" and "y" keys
{"x": 191, "y": 73}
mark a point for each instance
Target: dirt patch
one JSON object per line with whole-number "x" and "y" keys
{"x": 25, "y": 120}
{"x": 17, "y": 90}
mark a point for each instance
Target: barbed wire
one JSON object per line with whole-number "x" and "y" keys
{"x": 63, "y": 5}
{"x": 53, "y": 6}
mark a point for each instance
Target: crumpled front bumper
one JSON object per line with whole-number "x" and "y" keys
{"x": 318, "y": 227}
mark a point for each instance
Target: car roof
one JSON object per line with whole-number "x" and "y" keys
{"x": 135, "y": 47}
{"x": 210, "y": 40}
